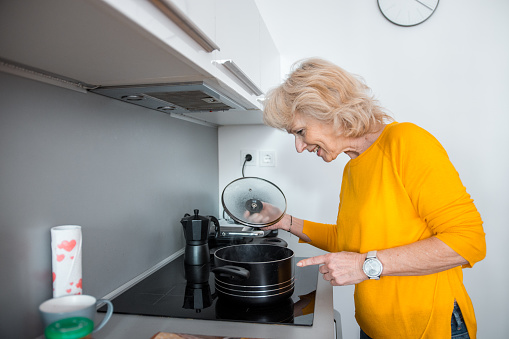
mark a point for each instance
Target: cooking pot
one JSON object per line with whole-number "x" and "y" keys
{"x": 256, "y": 274}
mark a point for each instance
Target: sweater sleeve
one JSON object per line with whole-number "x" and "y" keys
{"x": 323, "y": 236}
{"x": 437, "y": 193}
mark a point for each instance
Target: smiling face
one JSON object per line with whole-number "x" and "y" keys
{"x": 325, "y": 140}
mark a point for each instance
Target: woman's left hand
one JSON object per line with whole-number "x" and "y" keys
{"x": 268, "y": 213}
{"x": 340, "y": 269}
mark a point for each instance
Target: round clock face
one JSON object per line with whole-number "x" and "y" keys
{"x": 372, "y": 268}
{"x": 407, "y": 12}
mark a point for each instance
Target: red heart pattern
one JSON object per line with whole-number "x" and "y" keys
{"x": 65, "y": 248}
{"x": 67, "y": 245}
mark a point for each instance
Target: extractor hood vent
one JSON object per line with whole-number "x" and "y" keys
{"x": 191, "y": 100}
{"x": 175, "y": 98}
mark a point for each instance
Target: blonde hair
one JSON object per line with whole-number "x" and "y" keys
{"x": 321, "y": 90}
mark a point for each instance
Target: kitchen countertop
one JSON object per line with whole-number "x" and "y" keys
{"x": 144, "y": 327}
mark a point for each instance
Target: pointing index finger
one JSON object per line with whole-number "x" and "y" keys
{"x": 312, "y": 261}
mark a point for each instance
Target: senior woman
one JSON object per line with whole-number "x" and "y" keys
{"x": 406, "y": 225}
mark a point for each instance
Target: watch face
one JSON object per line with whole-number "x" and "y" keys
{"x": 407, "y": 12}
{"x": 372, "y": 268}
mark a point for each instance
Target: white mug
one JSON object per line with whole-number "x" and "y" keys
{"x": 73, "y": 306}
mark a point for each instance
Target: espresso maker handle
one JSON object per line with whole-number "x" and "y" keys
{"x": 217, "y": 228}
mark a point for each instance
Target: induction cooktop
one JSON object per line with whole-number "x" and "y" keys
{"x": 167, "y": 293}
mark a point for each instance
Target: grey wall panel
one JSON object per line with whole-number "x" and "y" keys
{"x": 125, "y": 174}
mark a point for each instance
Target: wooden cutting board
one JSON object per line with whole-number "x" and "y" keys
{"x": 165, "y": 335}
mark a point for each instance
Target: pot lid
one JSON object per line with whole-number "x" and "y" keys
{"x": 243, "y": 199}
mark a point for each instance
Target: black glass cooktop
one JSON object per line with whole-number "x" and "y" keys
{"x": 167, "y": 293}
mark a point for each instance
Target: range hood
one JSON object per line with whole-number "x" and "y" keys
{"x": 180, "y": 98}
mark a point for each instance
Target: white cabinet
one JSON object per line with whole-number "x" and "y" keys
{"x": 238, "y": 34}
{"x": 245, "y": 39}
{"x": 270, "y": 61}
{"x": 241, "y": 37}
{"x": 201, "y": 12}
{"x": 235, "y": 27}
{"x": 133, "y": 42}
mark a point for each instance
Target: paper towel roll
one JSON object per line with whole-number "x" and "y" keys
{"x": 66, "y": 260}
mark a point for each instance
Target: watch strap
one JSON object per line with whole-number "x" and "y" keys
{"x": 371, "y": 254}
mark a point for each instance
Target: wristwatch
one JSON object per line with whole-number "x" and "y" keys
{"x": 372, "y": 266}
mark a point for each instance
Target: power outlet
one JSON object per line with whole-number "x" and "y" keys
{"x": 268, "y": 158}
{"x": 254, "y": 154}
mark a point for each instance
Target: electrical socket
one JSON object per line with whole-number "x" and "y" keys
{"x": 267, "y": 158}
{"x": 254, "y": 154}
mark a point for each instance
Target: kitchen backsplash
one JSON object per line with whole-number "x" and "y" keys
{"x": 126, "y": 174}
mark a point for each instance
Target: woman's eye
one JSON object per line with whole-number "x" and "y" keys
{"x": 300, "y": 132}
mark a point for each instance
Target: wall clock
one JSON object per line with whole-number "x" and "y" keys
{"x": 407, "y": 12}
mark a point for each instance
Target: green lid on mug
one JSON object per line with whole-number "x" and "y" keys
{"x": 69, "y": 328}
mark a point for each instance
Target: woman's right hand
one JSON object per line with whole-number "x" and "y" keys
{"x": 340, "y": 268}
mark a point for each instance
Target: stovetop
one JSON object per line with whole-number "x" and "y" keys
{"x": 167, "y": 293}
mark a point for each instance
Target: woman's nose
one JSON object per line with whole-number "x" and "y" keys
{"x": 300, "y": 145}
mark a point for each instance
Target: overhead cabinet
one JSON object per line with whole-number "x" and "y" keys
{"x": 104, "y": 44}
{"x": 240, "y": 34}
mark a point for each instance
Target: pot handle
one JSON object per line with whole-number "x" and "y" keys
{"x": 217, "y": 228}
{"x": 232, "y": 272}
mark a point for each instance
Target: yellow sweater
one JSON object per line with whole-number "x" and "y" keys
{"x": 402, "y": 189}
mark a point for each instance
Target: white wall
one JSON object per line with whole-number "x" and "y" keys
{"x": 450, "y": 75}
